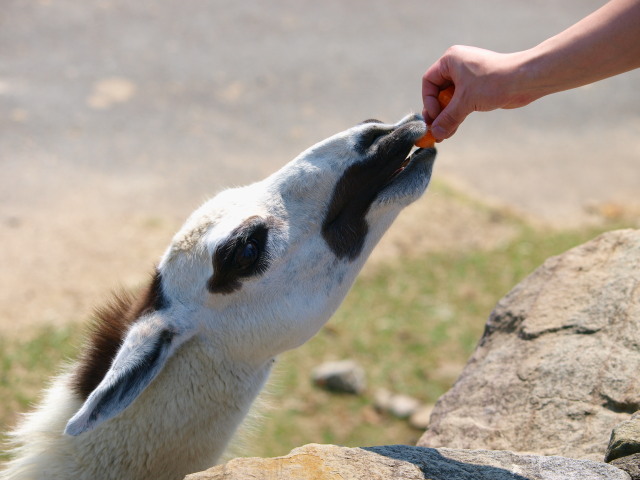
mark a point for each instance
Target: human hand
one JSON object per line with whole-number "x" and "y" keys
{"x": 483, "y": 80}
{"x": 603, "y": 44}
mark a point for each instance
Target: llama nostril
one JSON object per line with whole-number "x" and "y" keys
{"x": 370, "y": 120}
{"x": 369, "y": 137}
{"x": 416, "y": 117}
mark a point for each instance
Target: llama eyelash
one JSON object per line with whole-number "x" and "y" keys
{"x": 227, "y": 268}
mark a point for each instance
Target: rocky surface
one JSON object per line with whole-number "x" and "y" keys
{"x": 554, "y": 372}
{"x": 630, "y": 464}
{"x": 330, "y": 462}
{"x": 557, "y": 367}
{"x": 625, "y": 439}
{"x": 624, "y": 447}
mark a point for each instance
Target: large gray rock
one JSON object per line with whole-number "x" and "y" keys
{"x": 330, "y": 462}
{"x": 557, "y": 367}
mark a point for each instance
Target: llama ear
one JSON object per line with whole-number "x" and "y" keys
{"x": 141, "y": 357}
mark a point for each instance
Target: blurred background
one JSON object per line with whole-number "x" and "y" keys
{"x": 118, "y": 118}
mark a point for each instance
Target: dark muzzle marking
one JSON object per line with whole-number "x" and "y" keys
{"x": 344, "y": 227}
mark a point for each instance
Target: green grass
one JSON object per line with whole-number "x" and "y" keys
{"x": 412, "y": 325}
{"x": 25, "y": 368}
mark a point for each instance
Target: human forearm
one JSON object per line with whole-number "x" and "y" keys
{"x": 603, "y": 44}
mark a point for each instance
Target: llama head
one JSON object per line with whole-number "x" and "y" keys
{"x": 259, "y": 269}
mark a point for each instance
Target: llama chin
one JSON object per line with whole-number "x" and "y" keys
{"x": 166, "y": 377}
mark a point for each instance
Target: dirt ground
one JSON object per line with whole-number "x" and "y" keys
{"x": 118, "y": 118}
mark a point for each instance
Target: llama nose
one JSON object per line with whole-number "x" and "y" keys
{"x": 415, "y": 117}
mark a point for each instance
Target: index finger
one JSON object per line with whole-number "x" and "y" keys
{"x": 433, "y": 80}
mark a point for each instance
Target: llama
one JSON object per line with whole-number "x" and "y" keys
{"x": 167, "y": 377}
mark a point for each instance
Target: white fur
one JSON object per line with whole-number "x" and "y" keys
{"x": 180, "y": 416}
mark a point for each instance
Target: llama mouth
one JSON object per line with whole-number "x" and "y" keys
{"x": 416, "y": 155}
{"x": 401, "y": 168}
{"x": 392, "y": 171}
{"x": 398, "y": 151}
{"x": 410, "y": 166}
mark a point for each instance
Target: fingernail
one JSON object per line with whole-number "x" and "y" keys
{"x": 438, "y": 132}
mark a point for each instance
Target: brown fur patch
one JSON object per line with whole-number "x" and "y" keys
{"x": 107, "y": 331}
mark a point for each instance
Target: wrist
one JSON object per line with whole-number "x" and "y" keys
{"x": 524, "y": 78}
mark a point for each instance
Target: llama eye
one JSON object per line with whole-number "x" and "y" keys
{"x": 243, "y": 255}
{"x": 247, "y": 254}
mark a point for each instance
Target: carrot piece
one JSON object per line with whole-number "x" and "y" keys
{"x": 426, "y": 141}
{"x": 444, "y": 97}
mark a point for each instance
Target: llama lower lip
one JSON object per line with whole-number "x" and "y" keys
{"x": 410, "y": 179}
{"x": 406, "y": 163}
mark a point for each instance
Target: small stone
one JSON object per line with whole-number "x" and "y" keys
{"x": 399, "y": 405}
{"x": 625, "y": 439}
{"x": 403, "y": 406}
{"x": 344, "y": 376}
{"x": 382, "y": 400}
{"x": 420, "y": 418}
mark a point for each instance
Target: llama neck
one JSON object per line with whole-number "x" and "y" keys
{"x": 191, "y": 411}
{"x": 181, "y": 423}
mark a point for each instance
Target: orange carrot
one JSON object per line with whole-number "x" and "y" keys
{"x": 426, "y": 141}
{"x": 444, "y": 97}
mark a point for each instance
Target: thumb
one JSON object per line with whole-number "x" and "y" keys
{"x": 446, "y": 124}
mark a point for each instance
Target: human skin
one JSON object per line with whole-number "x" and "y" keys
{"x": 601, "y": 45}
